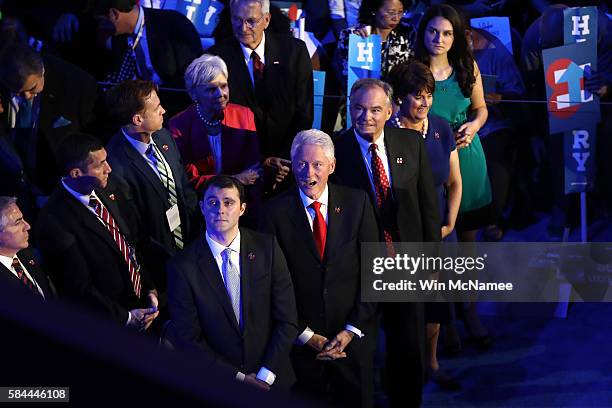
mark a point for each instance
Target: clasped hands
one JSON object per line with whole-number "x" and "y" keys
{"x": 331, "y": 349}
{"x": 141, "y": 319}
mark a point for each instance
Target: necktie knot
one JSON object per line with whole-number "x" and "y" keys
{"x": 255, "y": 56}
{"x": 373, "y": 148}
{"x": 16, "y": 263}
{"x": 316, "y": 206}
{"x": 94, "y": 202}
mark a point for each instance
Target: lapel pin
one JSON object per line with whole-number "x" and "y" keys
{"x": 436, "y": 135}
{"x": 112, "y": 197}
{"x": 165, "y": 147}
{"x": 275, "y": 62}
{"x": 31, "y": 262}
{"x": 337, "y": 210}
{"x": 251, "y": 256}
{"x": 400, "y": 160}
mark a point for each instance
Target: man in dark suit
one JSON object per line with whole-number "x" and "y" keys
{"x": 333, "y": 361}
{"x": 147, "y": 164}
{"x": 18, "y": 265}
{"x": 162, "y": 42}
{"x": 85, "y": 233}
{"x": 271, "y": 74}
{"x": 231, "y": 297}
{"x": 391, "y": 166}
{"x": 44, "y": 99}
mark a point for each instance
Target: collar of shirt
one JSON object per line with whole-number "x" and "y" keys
{"x": 83, "y": 198}
{"x": 246, "y": 51}
{"x": 139, "y": 21}
{"x": 140, "y": 147}
{"x": 8, "y": 263}
{"x": 217, "y": 248}
{"x": 364, "y": 146}
{"x": 324, "y": 200}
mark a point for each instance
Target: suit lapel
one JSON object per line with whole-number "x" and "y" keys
{"x": 360, "y": 172}
{"x": 164, "y": 148}
{"x": 397, "y": 163}
{"x": 334, "y": 221}
{"x": 248, "y": 271}
{"x": 302, "y": 225}
{"x": 209, "y": 269}
{"x": 141, "y": 165}
{"x": 108, "y": 199}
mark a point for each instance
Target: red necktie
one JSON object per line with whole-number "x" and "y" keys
{"x": 382, "y": 188}
{"x": 23, "y": 277}
{"x": 127, "y": 251}
{"x": 319, "y": 228}
{"x": 258, "y": 67}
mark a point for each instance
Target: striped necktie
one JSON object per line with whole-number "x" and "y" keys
{"x": 382, "y": 189}
{"x": 129, "y": 255}
{"x": 23, "y": 277}
{"x": 165, "y": 175}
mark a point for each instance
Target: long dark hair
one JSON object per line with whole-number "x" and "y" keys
{"x": 459, "y": 56}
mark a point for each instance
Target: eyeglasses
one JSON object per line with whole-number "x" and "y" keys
{"x": 250, "y": 22}
{"x": 393, "y": 13}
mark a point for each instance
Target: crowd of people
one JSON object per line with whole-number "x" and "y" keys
{"x": 182, "y": 193}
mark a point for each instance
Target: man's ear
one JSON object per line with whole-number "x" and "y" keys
{"x": 242, "y": 208}
{"x": 75, "y": 173}
{"x": 137, "y": 119}
{"x": 113, "y": 14}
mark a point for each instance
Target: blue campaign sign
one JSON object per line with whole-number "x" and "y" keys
{"x": 570, "y": 106}
{"x": 204, "y": 14}
{"x": 318, "y": 78}
{"x": 579, "y": 152}
{"x": 363, "y": 61}
{"x": 498, "y": 26}
{"x": 580, "y": 25}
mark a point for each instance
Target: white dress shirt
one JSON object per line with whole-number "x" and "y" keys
{"x": 246, "y": 51}
{"x": 143, "y": 43}
{"x": 217, "y": 249}
{"x": 215, "y": 148}
{"x": 364, "y": 146}
{"x": 310, "y": 214}
{"x": 142, "y": 148}
{"x": 8, "y": 263}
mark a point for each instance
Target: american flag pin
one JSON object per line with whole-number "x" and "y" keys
{"x": 112, "y": 197}
{"x": 400, "y": 160}
{"x": 251, "y": 256}
{"x": 165, "y": 147}
{"x": 337, "y": 210}
{"x": 31, "y": 262}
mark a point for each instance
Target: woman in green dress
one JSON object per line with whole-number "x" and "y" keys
{"x": 459, "y": 98}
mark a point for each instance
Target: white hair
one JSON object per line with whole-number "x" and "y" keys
{"x": 203, "y": 70}
{"x": 265, "y": 4}
{"x": 313, "y": 137}
{"x": 5, "y": 202}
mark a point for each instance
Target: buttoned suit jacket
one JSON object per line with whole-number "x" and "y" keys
{"x": 30, "y": 262}
{"x": 82, "y": 257}
{"x": 147, "y": 192}
{"x": 285, "y": 104}
{"x": 203, "y": 320}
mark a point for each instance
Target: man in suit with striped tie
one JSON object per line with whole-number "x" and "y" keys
{"x": 87, "y": 238}
{"x": 147, "y": 164}
{"x": 17, "y": 263}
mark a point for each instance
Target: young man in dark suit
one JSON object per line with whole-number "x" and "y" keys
{"x": 230, "y": 295}
{"x": 87, "y": 239}
{"x": 272, "y": 75}
{"x": 147, "y": 164}
{"x": 391, "y": 166}
{"x": 333, "y": 357}
{"x": 18, "y": 266}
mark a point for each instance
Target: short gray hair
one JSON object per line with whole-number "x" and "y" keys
{"x": 367, "y": 83}
{"x": 265, "y": 4}
{"x": 313, "y": 137}
{"x": 203, "y": 70}
{"x": 5, "y": 202}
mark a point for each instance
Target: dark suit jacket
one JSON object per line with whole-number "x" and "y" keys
{"x": 28, "y": 259}
{"x": 67, "y": 105}
{"x": 285, "y": 104}
{"x": 173, "y": 43}
{"x": 415, "y": 200}
{"x": 148, "y": 194}
{"x": 202, "y": 315}
{"x": 82, "y": 257}
{"x": 327, "y": 291}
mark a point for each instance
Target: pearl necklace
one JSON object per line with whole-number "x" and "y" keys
{"x": 208, "y": 123}
{"x": 423, "y": 130}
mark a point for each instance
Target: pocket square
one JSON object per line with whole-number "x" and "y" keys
{"x": 61, "y": 122}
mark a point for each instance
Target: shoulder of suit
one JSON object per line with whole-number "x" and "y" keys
{"x": 256, "y": 238}
{"x": 350, "y": 194}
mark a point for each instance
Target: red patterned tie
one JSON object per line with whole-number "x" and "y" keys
{"x": 258, "y": 67}
{"x": 23, "y": 277}
{"x": 382, "y": 188}
{"x": 319, "y": 228}
{"x": 128, "y": 252}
